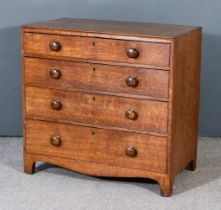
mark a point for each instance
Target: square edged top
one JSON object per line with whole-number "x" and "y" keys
{"x": 121, "y": 28}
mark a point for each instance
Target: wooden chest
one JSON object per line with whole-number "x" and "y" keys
{"x": 111, "y": 98}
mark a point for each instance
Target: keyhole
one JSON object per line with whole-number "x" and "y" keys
{"x": 94, "y": 98}
{"x": 93, "y": 43}
{"x": 93, "y": 133}
{"x": 94, "y": 69}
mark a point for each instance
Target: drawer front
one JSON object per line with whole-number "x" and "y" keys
{"x": 96, "y": 145}
{"x": 105, "y": 78}
{"x": 146, "y": 53}
{"x": 126, "y": 113}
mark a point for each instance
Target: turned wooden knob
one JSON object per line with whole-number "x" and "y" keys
{"x": 131, "y": 114}
{"x": 132, "y": 53}
{"x": 55, "y": 140}
{"x": 132, "y": 81}
{"x": 130, "y": 151}
{"x": 56, "y": 104}
{"x": 55, "y": 73}
{"x": 54, "y": 45}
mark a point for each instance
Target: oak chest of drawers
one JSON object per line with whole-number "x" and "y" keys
{"x": 111, "y": 98}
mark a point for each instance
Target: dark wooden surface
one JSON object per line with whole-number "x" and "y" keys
{"x": 92, "y": 123}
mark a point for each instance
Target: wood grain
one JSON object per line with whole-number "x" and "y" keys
{"x": 110, "y": 27}
{"x": 97, "y": 169}
{"x": 184, "y": 102}
{"x": 92, "y": 123}
{"x": 96, "y": 109}
{"x": 97, "y": 145}
{"x": 156, "y": 54}
{"x": 96, "y": 77}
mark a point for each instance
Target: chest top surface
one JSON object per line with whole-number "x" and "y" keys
{"x": 113, "y": 27}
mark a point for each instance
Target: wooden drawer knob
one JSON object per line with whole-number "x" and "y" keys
{"x": 56, "y": 104}
{"x": 55, "y": 74}
{"x": 55, "y": 46}
{"x": 130, "y": 151}
{"x": 131, "y": 114}
{"x": 132, "y": 53}
{"x": 55, "y": 140}
{"x": 132, "y": 81}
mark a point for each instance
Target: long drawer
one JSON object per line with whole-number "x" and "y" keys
{"x": 96, "y": 145}
{"x": 142, "y": 116}
{"x": 134, "y": 52}
{"x": 96, "y": 77}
